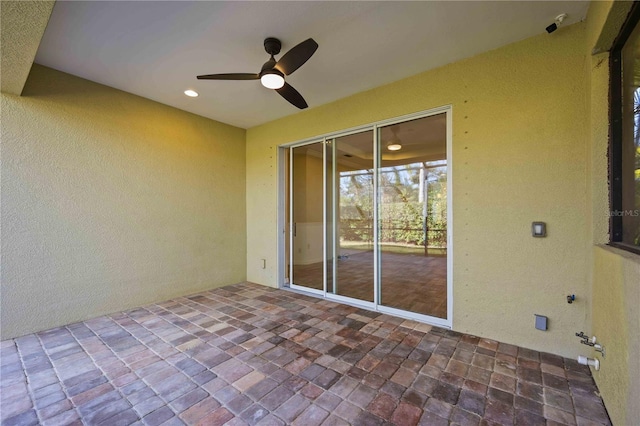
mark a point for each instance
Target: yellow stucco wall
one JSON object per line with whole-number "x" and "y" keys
{"x": 22, "y": 24}
{"x": 111, "y": 201}
{"x": 615, "y": 273}
{"x": 616, "y": 324}
{"x": 519, "y": 155}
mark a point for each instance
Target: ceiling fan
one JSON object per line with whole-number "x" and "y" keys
{"x": 273, "y": 72}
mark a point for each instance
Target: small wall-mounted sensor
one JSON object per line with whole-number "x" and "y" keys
{"x": 559, "y": 19}
{"x": 539, "y": 229}
{"x": 541, "y": 322}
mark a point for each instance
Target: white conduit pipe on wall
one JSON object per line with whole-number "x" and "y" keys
{"x": 595, "y": 363}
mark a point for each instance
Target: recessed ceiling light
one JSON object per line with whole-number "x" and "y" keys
{"x": 191, "y": 93}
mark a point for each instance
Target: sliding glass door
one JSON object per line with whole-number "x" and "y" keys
{"x": 351, "y": 245}
{"x": 306, "y": 215}
{"x": 412, "y": 211}
{"x": 369, "y": 215}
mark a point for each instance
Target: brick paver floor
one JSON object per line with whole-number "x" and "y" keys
{"x": 248, "y": 354}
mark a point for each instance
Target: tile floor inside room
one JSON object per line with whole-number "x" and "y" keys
{"x": 248, "y": 354}
{"x": 411, "y": 282}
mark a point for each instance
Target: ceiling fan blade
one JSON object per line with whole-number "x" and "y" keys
{"x": 292, "y": 95}
{"x": 297, "y": 56}
{"x": 232, "y": 76}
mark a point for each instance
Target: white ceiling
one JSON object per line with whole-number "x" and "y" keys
{"x": 155, "y": 49}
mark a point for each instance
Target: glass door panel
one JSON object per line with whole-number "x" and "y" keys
{"x": 329, "y": 215}
{"x": 306, "y": 198}
{"x": 412, "y": 211}
{"x": 351, "y": 209}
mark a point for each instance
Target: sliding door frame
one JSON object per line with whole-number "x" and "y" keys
{"x": 284, "y": 192}
{"x": 292, "y": 285}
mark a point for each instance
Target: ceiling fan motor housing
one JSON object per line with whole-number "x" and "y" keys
{"x": 269, "y": 66}
{"x": 272, "y": 46}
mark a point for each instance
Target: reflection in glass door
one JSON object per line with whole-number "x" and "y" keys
{"x": 306, "y": 168}
{"x": 412, "y": 211}
{"x": 351, "y": 244}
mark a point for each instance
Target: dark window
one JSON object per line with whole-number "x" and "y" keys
{"x": 624, "y": 148}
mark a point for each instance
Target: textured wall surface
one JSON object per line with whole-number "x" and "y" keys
{"x": 111, "y": 201}
{"x": 615, "y": 274}
{"x": 616, "y": 324}
{"x": 605, "y": 17}
{"x": 597, "y": 73}
{"x": 22, "y": 26}
{"x": 519, "y": 155}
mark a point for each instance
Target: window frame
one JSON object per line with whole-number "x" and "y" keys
{"x": 616, "y": 130}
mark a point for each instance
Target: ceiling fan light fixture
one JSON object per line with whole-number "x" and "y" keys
{"x": 394, "y": 146}
{"x": 272, "y": 72}
{"x": 191, "y": 93}
{"x": 272, "y": 80}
